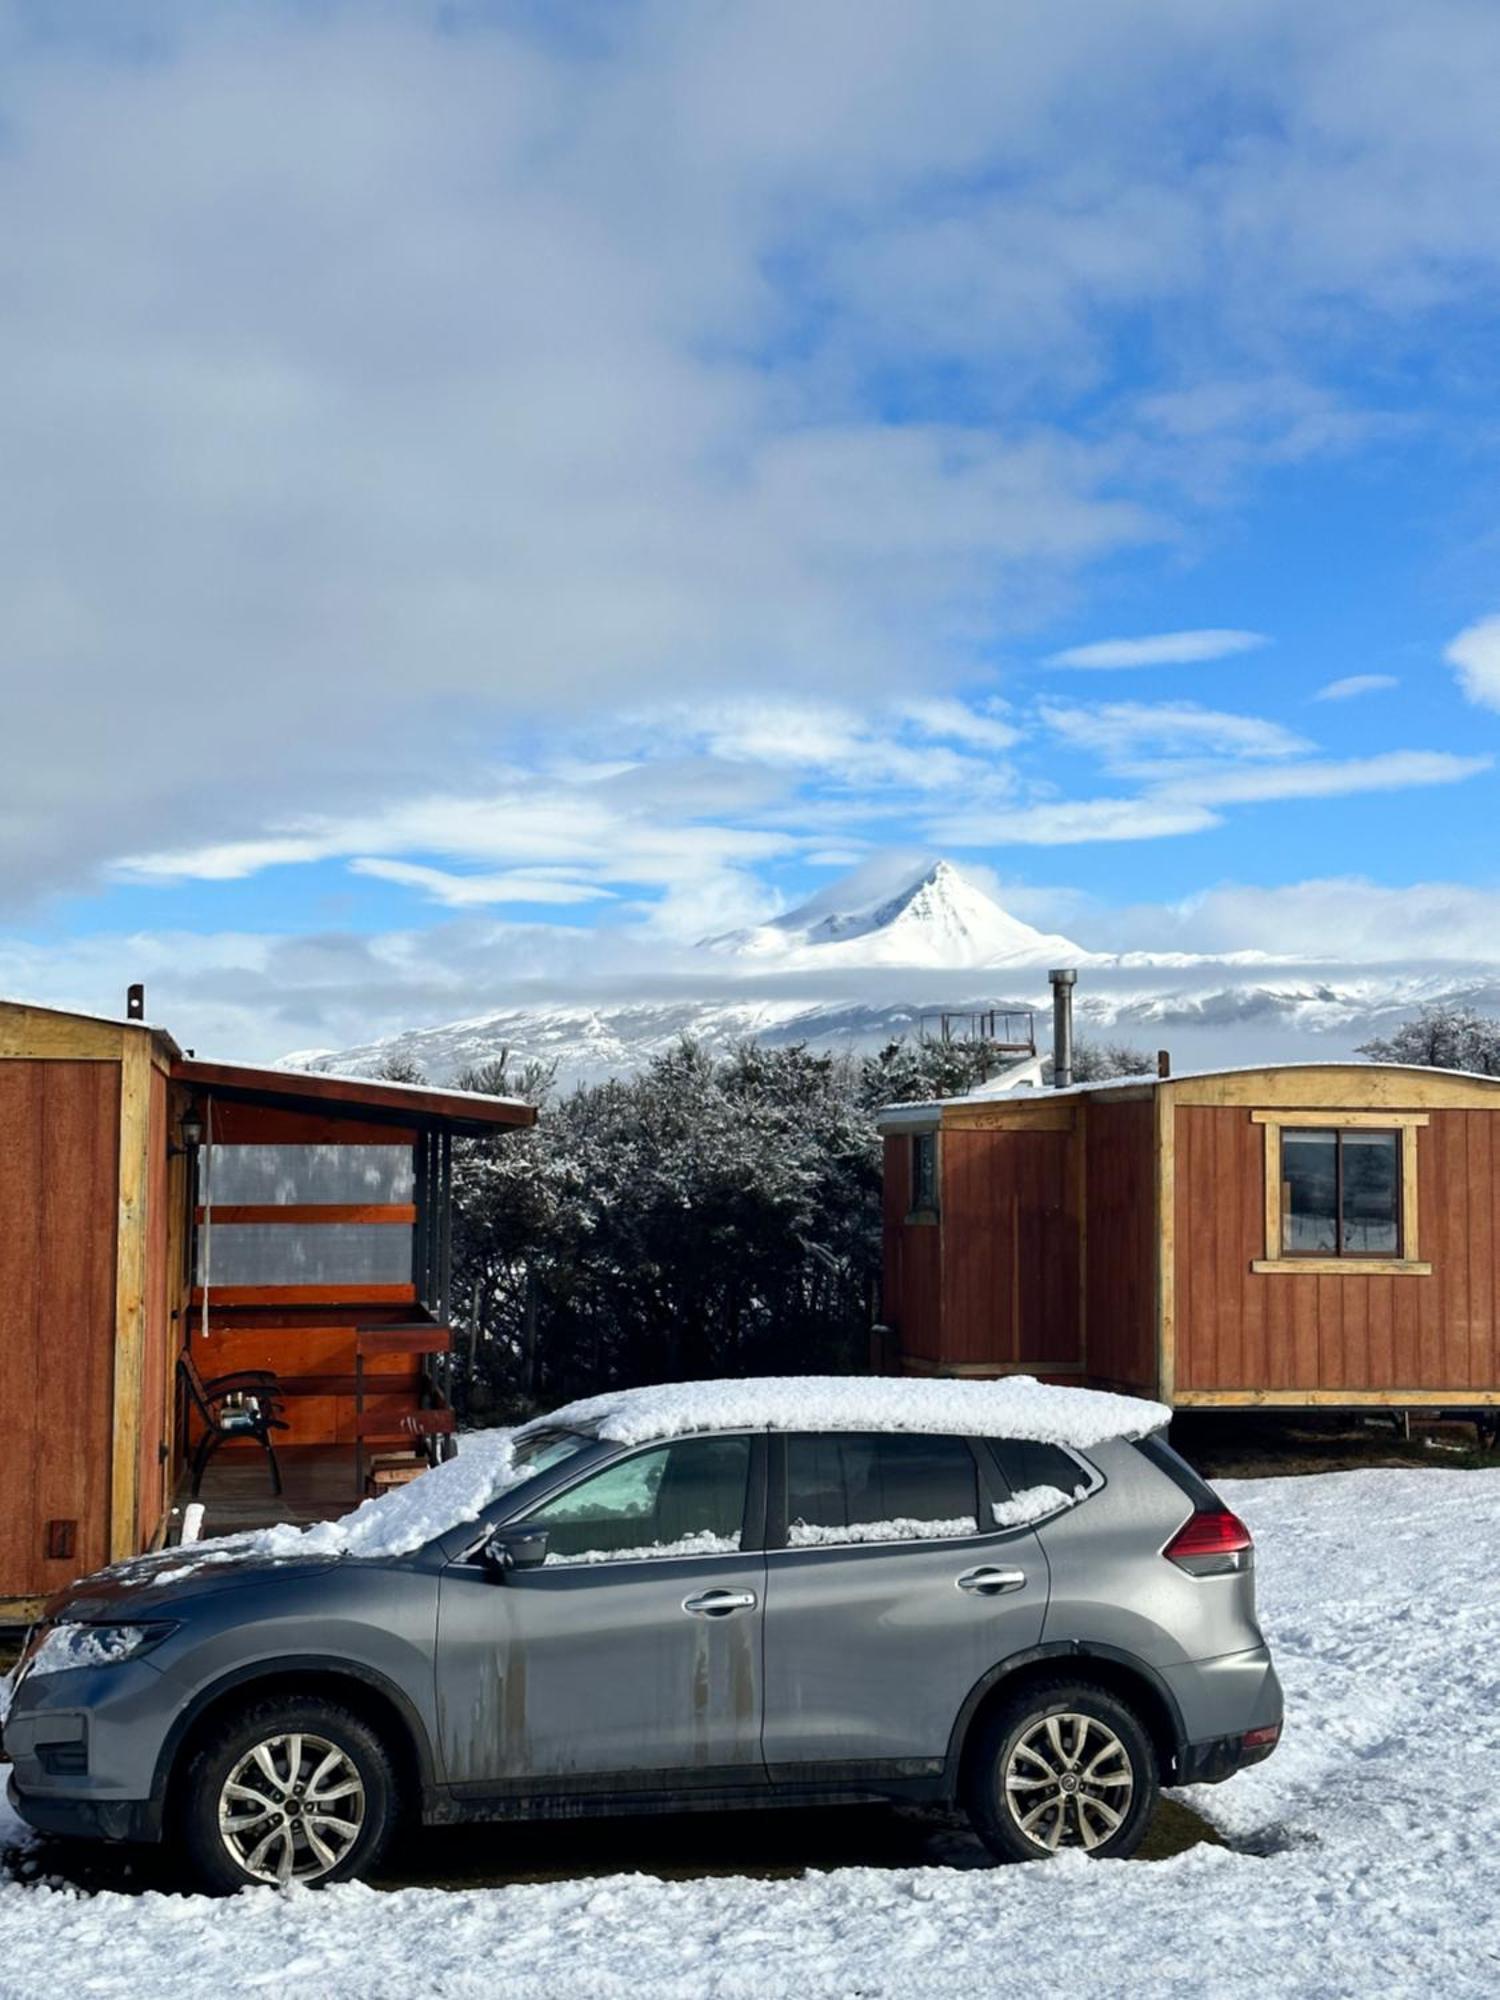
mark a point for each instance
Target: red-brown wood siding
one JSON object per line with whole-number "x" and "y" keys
{"x": 911, "y": 1292}
{"x": 59, "y": 1167}
{"x": 1239, "y": 1329}
{"x": 1120, "y": 1241}
{"x": 1010, "y": 1248}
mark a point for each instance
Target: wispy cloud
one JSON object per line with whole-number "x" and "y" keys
{"x": 1120, "y": 732}
{"x": 1071, "y": 822}
{"x": 1354, "y": 685}
{"x": 1474, "y": 656}
{"x": 1160, "y": 649}
{"x": 1190, "y": 796}
{"x": 1392, "y": 771}
{"x": 462, "y": 892}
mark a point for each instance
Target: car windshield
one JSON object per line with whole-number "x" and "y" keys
{"x": 540, "y": 1450}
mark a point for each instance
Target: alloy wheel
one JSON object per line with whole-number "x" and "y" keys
{"x": 1068, "y": 1782}
{"x": 291, "y": 1808}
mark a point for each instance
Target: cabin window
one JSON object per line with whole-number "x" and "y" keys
{"x": 1340, "y": 1194}
{"x": 303, "y": 1175}
{"x": 294, "y": 1215}
{"x": 924, "y": 1177}
{"x": 1341, "y": 1191}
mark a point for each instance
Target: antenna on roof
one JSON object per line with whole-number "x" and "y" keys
{"x": 135, "y": 1002}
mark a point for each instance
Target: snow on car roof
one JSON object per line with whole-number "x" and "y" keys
{"x": 1015, "y": 1406}
{"x": 456, "y": 1493}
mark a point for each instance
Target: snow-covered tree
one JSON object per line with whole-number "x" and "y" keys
{"x": 1096, "y": 1062}
{"x": 1443, "y": 1036}
{"x": 715, "y": 1214}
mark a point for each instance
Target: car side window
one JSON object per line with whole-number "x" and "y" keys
{"x": 682, "y": 1499}
{"x": 878, "y": 1487}
{"x": 1042, "y": 1478}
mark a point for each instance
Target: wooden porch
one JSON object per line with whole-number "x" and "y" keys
{"x": 318, "y": 1484}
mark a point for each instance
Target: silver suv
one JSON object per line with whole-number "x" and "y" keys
{"x": 739, "y": 1616}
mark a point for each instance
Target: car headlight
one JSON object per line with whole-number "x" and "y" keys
{"x": 64, "y": 1646}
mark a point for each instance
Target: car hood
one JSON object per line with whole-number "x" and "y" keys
{"x": 154, "y": 1584}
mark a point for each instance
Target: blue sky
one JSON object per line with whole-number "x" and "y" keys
{"x": 489, "y": 495}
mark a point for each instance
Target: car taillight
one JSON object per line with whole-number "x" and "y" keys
{"x": 1211, "y": 1543}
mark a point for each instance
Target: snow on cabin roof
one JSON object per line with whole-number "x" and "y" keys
{"x": 1016, "y": 1406}
{"x": 988, "y": 1093}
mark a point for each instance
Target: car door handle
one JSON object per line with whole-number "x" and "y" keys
{"x": 990, "y": 1582}
{"x": 719, "y": 1603}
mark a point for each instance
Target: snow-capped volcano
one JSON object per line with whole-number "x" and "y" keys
{"x": 941, "y": 921}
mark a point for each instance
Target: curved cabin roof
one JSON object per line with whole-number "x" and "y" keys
{"x": 1264, "y": 1086}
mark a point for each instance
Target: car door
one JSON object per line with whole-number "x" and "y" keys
{"x": 889, "y": 1595}
{"x": 632, "y": 1654}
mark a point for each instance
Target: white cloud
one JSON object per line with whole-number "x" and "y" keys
{"x": 1188, "y": 797}
{"x": 1475, "y": 657}
{"x": 1119, "y": 732}
{"x": 459, "y": 892}
{"x": 1354, "y": 685}
{"x": 1391, "y": 771}
{"x": 1160, "y": 649}
{"x": 1345, "y": 918}
{"x": 422, "y": 380}
{"x": 978, "y": 730}
{"x": 1070, "y": 822}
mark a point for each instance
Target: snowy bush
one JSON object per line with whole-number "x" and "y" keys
{"x": 715, "y": 1215}
{"x": 1444, "y": 1036}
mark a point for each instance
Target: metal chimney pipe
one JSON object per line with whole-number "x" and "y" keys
{"x": 135, "y": 1003}
{"x": 1063, "y": 981}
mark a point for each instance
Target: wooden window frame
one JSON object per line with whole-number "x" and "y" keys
{"x": 918, "y": 1210}
{"x": 1406, "y": 1125}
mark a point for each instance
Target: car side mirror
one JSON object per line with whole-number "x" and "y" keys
{"x": 515, "y": 1548}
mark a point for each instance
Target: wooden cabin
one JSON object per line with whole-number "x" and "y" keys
{"x": 255, "y": 1218}
{"x": 1294, "y": 1236}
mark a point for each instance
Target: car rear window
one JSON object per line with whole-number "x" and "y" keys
{"x": 1026, "y": 1465}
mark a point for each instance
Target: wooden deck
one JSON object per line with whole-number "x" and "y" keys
{"x": 317, "y": 1481}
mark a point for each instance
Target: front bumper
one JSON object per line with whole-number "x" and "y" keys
{"x": 88, "y": 1819}
{"x": 83, "y": 1746}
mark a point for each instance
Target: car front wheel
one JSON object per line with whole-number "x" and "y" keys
{"x": 288, "y": 1791}
{"x": 1065, "y": 1765}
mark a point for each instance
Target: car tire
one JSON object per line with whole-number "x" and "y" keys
{"x": 1065, "y": 1764}
{"x": 287, "y": 1789}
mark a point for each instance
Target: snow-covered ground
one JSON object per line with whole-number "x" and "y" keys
{"x": 1366, "y": 1856}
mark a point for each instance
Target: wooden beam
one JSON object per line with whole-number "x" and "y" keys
{"x": 1166, "y": 1244}
{"x": 256, "y": 1212}
{"x": 21, "y": 1610}
{"x": 1337, "y": 1119}
{"x": 912, "y": 1364}
{"x": 132, "y": 1221}
{"x": 1039, "y": 1114}
{"x": 1351, "y": 1399}
{"x": 1341, "y": 1267}
{"x": 415, "y": 1103}
{"x": 1347, "y": 1086}
{"x": 224, "y": 1296}
{"x": 38, "y": 1034}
